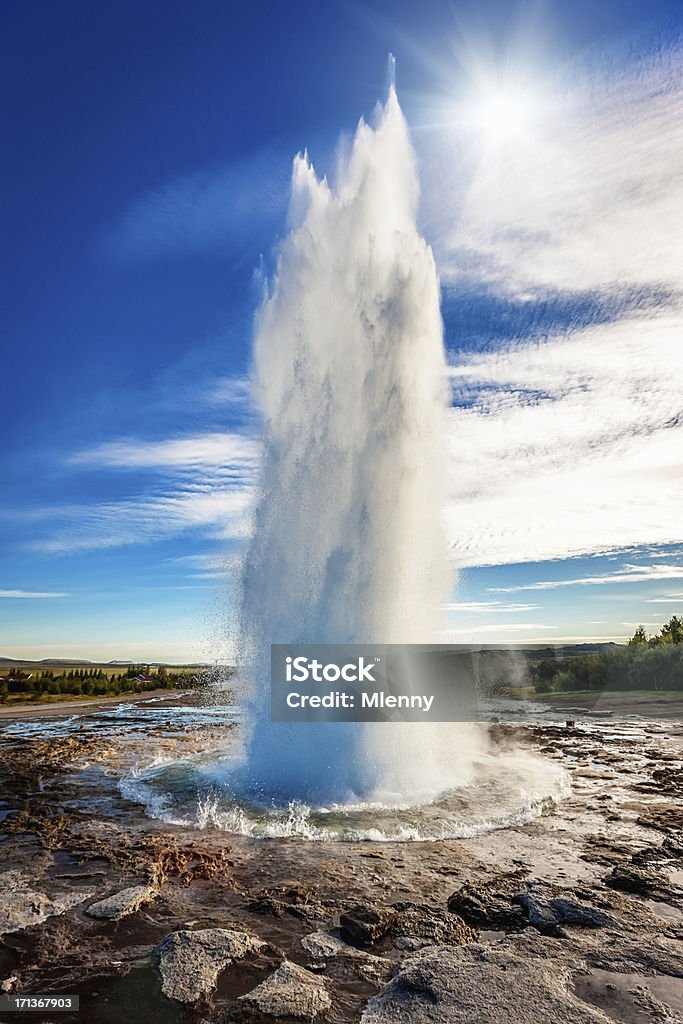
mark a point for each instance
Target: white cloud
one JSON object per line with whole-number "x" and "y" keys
{"x": 228, "y": 453}
{"x": 29, "y": 594}
{"x": 569, "y": 447}
{"x": 232, "y": 391}
{"x": 500, "y": 630}
{"x": 488, "y": 606}
{"x": 209, "y": 566}
{"x": 218, "y": 513}
{"x": 208, "y": 482}
{"x": 630, "y": 574}
{"x": 206, "y": 561}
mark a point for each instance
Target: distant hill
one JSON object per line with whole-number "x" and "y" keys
{"x": 531, "y": 653}
{"x": 569, "y": 651}
{"x": 540, "y": 652}
{"x": 44, "y": 661}
{"x": 82, "y": 662}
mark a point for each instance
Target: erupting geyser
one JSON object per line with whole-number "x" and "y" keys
{"x": 348, "y": 544}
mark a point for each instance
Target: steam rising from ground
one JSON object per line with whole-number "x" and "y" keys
{"x": 348, "y": 542}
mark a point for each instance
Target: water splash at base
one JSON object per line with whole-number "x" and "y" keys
{"x": 503, "y": 791}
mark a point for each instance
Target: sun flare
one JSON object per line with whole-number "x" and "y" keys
{"x": 501, "y": 116}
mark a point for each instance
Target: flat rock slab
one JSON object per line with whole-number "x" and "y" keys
{"x": 190, "y": 962}
{"x": 323, "y": 946}
{"x": 642, "y": 881}
{"x": 22, "y": 905}
{"x": 291, "y": 991}
{"x": 514, "y": 982}
{"x": 120, "y": 904}
{"x": 508, "y": 902}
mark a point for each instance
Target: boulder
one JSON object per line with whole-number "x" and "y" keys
{"x": 291, "y": 991}
{"x": 323, "y": 946}
{"x": 663, "y": 817}
{"x": 294, "y": 898}
{"x": 669, "y": 850}
{"x": 190, "y": 962}
{"x": 122, "y": 903}
{"x": 366, "y": 925}
{"x": 488, "y": 904}
{"x": 513, "y": 982}
{"x": 548, "y": 908}
{"x": 422, "y": 926}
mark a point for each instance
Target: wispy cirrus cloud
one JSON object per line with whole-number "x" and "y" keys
{"x": 221, "y": 514}
{"x": 30, "y": 594}
{"x": 205, "y": 486}
{"x": 499, "y": 629}
{"x": 226, "y": 452}
{"x": 204, "y": 211}
{"x": 208, "y": 566}
{"x": 629, "y": 574}
{"x": 568, "y": 447}
{"x": 230, "y": 390}
{"x": 490, "y": 607}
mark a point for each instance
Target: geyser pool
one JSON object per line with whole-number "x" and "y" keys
{"x": 504, "y": 790}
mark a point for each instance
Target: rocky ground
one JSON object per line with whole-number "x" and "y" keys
{"x": 576, "y": 917}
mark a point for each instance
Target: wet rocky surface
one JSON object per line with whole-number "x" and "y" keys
{"x": 576, "y": 916}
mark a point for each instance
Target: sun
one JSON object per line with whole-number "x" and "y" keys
{"x": 501, "y": 116}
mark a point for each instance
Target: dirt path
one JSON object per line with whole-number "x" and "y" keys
{"x": 91, "y": 705}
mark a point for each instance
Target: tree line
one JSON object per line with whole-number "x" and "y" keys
{"x": 93, "y": 682}
{"x": 646, "y": 663}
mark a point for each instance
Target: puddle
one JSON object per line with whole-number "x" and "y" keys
{"x": 620, "y": 996}
{"x": 665, "y": 911}
{"x": 130, "y": 998}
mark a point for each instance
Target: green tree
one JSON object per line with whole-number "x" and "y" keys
{"x": 639, "y": 637}
{"x": 672, "y": 631}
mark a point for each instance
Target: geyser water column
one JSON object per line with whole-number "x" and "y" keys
{"x": 348, "y": 543}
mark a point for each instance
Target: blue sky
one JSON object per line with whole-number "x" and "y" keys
{"x": 150, "y": 148}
